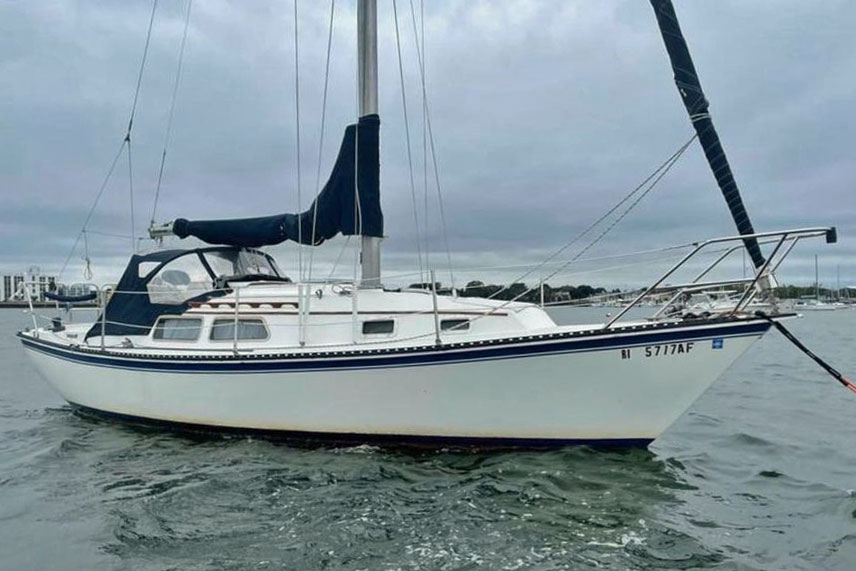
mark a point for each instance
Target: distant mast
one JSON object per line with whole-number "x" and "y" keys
{"x": 816, "y": 280}
{"x": 694, "y": 100}
{"x": 367, "y": 74}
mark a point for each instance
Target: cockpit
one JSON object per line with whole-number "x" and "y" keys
{"x": 162, "y": 282}
{"x": 199, "y": 271}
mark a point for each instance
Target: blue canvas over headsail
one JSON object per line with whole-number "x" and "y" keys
{"x": 349, "y": 203}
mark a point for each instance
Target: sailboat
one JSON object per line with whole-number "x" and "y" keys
{"x": 816, "y": 304}
{"x": 219, "y": 338}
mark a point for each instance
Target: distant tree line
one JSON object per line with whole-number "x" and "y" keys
{"x": 796, "y": 292}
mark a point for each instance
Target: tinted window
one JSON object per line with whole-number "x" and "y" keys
{"x": 177, "y": 329}
{"x": 378, "y": 327}
{"x": 248, "y": 330}
{"x": 454, "y": 324}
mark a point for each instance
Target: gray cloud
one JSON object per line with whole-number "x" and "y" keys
{"x": 545, "y": 114}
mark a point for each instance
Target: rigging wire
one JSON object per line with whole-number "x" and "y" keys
{"x": 440, "y": 199}
{"x": 125, "y": 141}
{"x": 634, "y": 254}
{"x": 171, "y": 110}
{"x": 131, "y": 123}
{"x": 358, "y": 215}
{"x": 640, "y": 197}
{"x": 321, "y": 138}
{"x": 131, "y": 197}
{"x": 667, "y": 164}
{"x": 92, "y": 208}
{"x": 663, "y": 169}
{"x": 424, "y": 126}
{"x": 297, "y": 132}
{"x": 407, "y": 134}
{"x": 142, "y": 67}
{"x": 430, "y": 138}
{"x": 339, "y": 257}
{"x": 108, "y": 234}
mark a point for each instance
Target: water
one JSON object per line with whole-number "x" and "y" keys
{"x": 759, "y": 474}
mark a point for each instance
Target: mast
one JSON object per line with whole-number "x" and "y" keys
{"x": 367, "y": 86}
{"x": 816, "y": 280}
{"x": 837, "y": 282}
{"x": 694, "y": 100}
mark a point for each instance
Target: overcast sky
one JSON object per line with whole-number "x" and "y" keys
{"x": 545, "y": 114}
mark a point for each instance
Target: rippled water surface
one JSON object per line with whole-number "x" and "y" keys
{"x": 759, "y": 474}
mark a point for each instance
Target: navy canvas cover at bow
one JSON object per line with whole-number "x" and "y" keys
{"x": 694, "y": 100}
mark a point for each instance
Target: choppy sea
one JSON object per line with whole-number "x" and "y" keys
{"x": 759, "y": 474}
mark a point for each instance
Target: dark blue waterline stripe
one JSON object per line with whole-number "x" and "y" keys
{"x": 404, "y": 358}
{"x": 353, "y": 438}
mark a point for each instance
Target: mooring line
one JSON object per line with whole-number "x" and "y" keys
{"x": 826, "y": 366}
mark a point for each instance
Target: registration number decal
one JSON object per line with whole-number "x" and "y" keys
{"x": 669, "y": 349}
{"x": 664, "y": 350}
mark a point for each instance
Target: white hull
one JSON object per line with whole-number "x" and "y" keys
{"x": 558, "y": 390}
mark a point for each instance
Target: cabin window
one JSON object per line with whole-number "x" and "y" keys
{"x": 248, "y": 330}
{"x": 252, "y": 262}
{"x": 221, "y": 263}
{"x": 230, "y": 263}
{"x": 177, "y": 329}
{"x": 378, "y": 327}
{"x": 145, "y": 268}
{"x": 455, "y": 325}
{"x": 179, "y": 280}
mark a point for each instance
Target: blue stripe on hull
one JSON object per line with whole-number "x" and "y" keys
{"x": 404, "y": 357}
{"x": 353, "y": 438}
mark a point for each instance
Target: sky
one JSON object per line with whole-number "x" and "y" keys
{"x": 544, "y": 114}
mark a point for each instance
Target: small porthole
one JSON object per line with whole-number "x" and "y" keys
{"x": 378, "y": 327}
{"x": 455, "y": 325}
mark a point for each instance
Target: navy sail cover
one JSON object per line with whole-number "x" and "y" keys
{"x": 356, "y": 173}
{"x": 694, "y": 100}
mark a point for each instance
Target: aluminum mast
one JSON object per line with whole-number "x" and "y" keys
{"x": 367, "y": 74}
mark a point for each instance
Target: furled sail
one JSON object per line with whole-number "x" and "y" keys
{"x": 349, "y": 203}
{"x": 694, "y": 100}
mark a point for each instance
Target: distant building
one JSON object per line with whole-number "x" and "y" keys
{"x": 37, "y": 284}
{"x": 561, "y": 295}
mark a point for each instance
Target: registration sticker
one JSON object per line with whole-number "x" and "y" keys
{"x": 718, "y": 342}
